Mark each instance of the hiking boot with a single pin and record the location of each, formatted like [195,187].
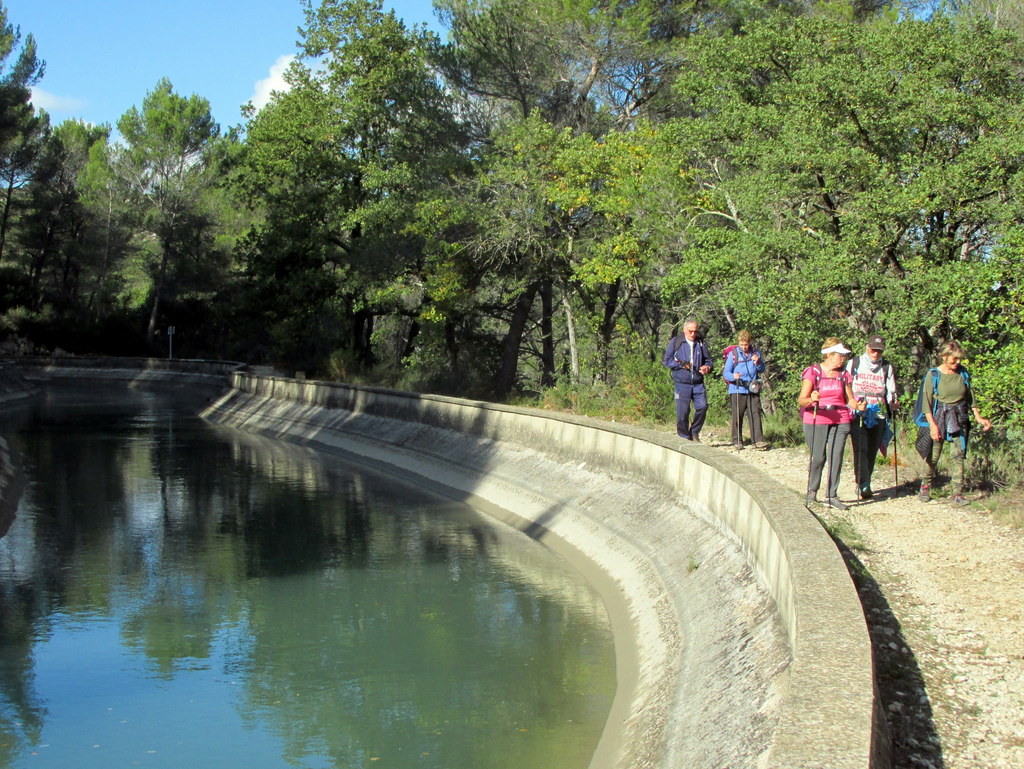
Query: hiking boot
[925,494]
[761,446]
[837,504]
[738,446]
[811,499]
[958,499]
[866,493]
[696,439]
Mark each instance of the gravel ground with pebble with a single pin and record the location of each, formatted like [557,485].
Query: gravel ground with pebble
[944,601]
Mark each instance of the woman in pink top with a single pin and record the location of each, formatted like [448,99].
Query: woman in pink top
[827,402]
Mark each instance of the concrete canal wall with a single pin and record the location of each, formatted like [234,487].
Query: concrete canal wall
[212,376]
[740,640]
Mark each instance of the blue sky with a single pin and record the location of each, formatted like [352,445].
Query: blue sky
[103,56]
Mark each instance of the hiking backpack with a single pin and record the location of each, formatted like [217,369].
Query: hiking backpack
[919,418]
[735,359]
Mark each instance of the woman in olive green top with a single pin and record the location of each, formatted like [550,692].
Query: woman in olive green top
[946,406]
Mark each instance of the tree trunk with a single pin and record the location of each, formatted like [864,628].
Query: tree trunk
[547,351]
[363,337]
[158,290]
[505,377]
[451,342]
[574,352]
[730,319]
[611,305]
[410,341]
[5,215]
[101,277]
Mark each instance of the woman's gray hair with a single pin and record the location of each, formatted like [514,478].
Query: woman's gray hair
[951,348]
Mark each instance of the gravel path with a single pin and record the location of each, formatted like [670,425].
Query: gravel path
[943,591]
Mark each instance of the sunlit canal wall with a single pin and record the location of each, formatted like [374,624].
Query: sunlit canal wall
[740,640]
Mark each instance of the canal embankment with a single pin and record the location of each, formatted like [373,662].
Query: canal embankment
[740,639]
[685,535]
[203,376]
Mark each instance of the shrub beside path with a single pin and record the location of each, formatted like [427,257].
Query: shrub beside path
[943,592]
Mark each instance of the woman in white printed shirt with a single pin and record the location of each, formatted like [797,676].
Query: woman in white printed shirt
[874,384]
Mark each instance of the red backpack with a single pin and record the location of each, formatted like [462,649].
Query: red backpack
[725,357]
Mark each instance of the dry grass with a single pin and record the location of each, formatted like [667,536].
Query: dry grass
[1006,506]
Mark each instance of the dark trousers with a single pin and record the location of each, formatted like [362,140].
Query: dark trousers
[745,404]
[825,442]
[866,442]
[685,393]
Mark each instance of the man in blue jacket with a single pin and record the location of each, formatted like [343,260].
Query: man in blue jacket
[689,360]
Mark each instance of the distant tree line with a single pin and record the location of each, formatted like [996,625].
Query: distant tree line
[535,202]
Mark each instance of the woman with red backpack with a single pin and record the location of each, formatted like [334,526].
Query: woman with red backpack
[743,367]
[827,404]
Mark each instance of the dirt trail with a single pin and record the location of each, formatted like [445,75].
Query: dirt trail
[943,590]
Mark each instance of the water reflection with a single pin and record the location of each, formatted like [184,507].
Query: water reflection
[171,592]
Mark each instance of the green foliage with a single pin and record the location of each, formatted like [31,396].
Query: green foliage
[849,178]
[533,205]
[639,389]
[163,170]
[643,386]
[22,131]
[336,167]
[996,458]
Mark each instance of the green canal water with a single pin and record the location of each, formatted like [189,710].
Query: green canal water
[175,595]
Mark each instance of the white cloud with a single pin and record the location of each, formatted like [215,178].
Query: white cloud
[55,104]
[273,82]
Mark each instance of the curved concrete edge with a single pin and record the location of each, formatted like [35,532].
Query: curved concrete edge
[212,377]
[49,367]
[827,711]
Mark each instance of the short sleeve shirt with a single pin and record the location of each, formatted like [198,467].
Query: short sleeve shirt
[832,408]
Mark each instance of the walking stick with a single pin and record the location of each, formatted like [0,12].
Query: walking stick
[855,428]
[753,406]
[895,459]
[814,440]
[737,421]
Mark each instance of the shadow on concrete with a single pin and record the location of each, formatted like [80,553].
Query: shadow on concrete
[898,678]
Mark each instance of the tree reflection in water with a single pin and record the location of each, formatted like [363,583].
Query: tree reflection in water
[173,588]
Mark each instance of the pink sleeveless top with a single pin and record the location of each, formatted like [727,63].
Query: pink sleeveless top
[832,408]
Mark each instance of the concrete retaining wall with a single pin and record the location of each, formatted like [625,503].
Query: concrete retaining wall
[740,641]
[694,690]
[131,371]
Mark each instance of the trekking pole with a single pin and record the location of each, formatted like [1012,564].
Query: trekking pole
[814,425]
[895,458]
[814,440]
[750,417]
[734,406]
[855,427]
